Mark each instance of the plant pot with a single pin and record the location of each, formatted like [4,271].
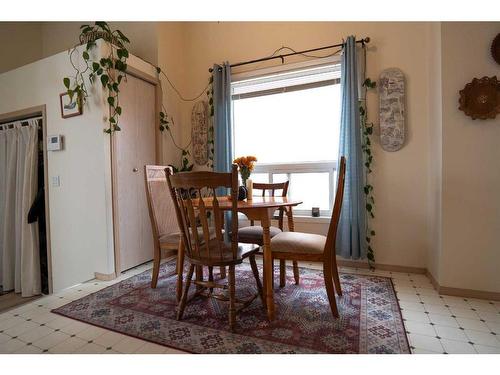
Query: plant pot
[242,193]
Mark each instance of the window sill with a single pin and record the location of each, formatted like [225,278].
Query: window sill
[310,219]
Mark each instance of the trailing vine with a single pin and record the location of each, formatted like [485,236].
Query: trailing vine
[110,69]
[367,131]
[211,131]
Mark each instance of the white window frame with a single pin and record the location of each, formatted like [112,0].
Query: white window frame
[329,166]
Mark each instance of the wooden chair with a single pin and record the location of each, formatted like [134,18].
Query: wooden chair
[163,219]
[253,233]
[205,250]
[314,247]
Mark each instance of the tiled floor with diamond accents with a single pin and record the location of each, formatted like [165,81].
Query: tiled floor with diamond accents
[434,323]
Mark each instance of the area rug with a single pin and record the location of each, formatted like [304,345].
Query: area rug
[370,320]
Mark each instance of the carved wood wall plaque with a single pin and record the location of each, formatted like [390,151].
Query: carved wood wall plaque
[480,98]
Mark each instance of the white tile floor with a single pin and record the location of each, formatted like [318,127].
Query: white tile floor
[434,323]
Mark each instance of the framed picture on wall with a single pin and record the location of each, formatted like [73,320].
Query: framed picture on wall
[70,108]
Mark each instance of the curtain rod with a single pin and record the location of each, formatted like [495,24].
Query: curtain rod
[21,119]
[282,57]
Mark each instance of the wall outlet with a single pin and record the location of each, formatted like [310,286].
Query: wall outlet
[56,181]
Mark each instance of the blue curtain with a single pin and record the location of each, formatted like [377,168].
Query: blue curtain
[222,117]
[223,130]
[351,232]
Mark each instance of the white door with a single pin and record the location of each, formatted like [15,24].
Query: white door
[135,147]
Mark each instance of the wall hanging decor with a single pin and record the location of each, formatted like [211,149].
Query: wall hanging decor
[480,98]
[392,109]
[495,49]
[70,106]
[199,132]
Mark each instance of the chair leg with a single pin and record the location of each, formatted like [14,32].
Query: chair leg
[199,276]
[156,266]
[180,270]
[182,304]
[223,272]
[255,271]
[282,273]
[296,272]
[327,274]
[336,278]
[211,276]
[232,298]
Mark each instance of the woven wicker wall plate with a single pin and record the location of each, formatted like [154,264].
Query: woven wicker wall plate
[480,99]
[495,49]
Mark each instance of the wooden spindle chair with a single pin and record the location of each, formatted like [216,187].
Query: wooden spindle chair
[200,248]
[166,233]
[317,248]
[254,233]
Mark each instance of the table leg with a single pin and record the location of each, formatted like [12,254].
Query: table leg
[289,215]
[268,266]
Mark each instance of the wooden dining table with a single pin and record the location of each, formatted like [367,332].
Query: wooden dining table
[262,209]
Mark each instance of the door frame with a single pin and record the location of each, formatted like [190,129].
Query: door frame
[136,73]
[26,113]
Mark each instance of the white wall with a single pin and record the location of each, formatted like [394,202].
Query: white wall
[78,208]
[81,225]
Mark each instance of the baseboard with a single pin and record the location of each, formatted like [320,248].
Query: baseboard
[105,276]
[383,267]
[459,292]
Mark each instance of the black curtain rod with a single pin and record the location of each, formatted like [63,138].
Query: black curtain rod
[282,57]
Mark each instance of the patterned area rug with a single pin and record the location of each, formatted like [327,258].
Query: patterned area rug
[370,319]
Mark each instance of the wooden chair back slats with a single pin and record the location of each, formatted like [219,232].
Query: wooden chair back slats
[160,203]
[203,240]
[334,222]
[283,186]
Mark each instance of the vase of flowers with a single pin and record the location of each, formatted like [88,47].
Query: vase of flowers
[246,165]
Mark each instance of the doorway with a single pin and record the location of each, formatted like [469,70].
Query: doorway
[32,212]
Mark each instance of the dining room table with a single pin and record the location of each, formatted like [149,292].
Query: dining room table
[262,209]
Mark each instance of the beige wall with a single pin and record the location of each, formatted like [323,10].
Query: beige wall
[470,255]
[20,43]
[435,120]
[400,178]
[60,36]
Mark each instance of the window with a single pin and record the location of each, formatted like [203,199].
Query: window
[290,120]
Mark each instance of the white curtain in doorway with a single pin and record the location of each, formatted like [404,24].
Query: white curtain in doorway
[19,249]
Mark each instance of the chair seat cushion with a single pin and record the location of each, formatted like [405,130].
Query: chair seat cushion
[216,256]
[299,243]
[253,234]
[170,239]
[174,238]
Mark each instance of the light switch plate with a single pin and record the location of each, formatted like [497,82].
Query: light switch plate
[56,181]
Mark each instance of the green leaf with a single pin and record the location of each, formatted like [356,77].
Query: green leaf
[112,120]
[115,87]
[117,128]
[184,152]
[71,93]
[368,207]
[122,36]
[85,55]
[111,100]
[99,71]
[104,80]
[158,70]
[90,44]
[372,233]
[162,115]
[162,128]
[120,77]
[95,66]
[118,110]
[66,82]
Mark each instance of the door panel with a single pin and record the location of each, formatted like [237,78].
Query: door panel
[134,147]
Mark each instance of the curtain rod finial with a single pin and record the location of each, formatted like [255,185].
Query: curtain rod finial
[367,39]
